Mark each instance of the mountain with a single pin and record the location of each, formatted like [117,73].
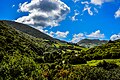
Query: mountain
[29,30]
[110,50]
[25,57]
[20,53]
[13,41]
[91,42]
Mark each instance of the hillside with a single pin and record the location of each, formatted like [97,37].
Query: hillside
[88,43]
[111,50]
[13,41]
[21,55]
[28,30]
[26,57]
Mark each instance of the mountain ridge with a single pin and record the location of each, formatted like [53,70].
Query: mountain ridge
[28,29]
[91,42]
[31,31]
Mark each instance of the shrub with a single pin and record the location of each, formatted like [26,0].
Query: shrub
[107,65]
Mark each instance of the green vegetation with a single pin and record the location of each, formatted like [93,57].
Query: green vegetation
[95,62]
[29,30]
[25,57]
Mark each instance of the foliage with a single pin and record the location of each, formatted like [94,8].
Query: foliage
[107,65]
[24,57]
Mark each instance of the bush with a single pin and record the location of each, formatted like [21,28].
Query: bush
[19,67]
[107,65]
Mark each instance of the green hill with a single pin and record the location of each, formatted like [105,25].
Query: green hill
[110,50]
[29,30]
[13,41]
[25,57]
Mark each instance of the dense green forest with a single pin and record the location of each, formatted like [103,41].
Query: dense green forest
[26,57]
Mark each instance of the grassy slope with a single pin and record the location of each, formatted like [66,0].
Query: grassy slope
[95,62]
[21,57]
[29,30]
[13,41]
[109,52]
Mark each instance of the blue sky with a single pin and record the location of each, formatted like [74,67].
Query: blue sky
[69,20]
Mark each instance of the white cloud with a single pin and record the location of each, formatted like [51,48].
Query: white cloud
[92,6]
[117,13]
[75,1]
[77,37]
[43,13]
[13,6]
[100,2]
[97,2]
[51,34]
[61,34]
[88,9]
[85,2]
[96,34]
[95,10]
[57,34]
[73,18]
[115,37]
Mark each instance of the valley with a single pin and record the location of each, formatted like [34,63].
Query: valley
[28,54]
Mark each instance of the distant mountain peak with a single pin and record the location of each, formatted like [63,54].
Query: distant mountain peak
[91,42]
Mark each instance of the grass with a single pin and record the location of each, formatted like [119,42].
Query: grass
[95,62]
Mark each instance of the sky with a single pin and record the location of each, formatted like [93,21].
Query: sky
[69,20]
